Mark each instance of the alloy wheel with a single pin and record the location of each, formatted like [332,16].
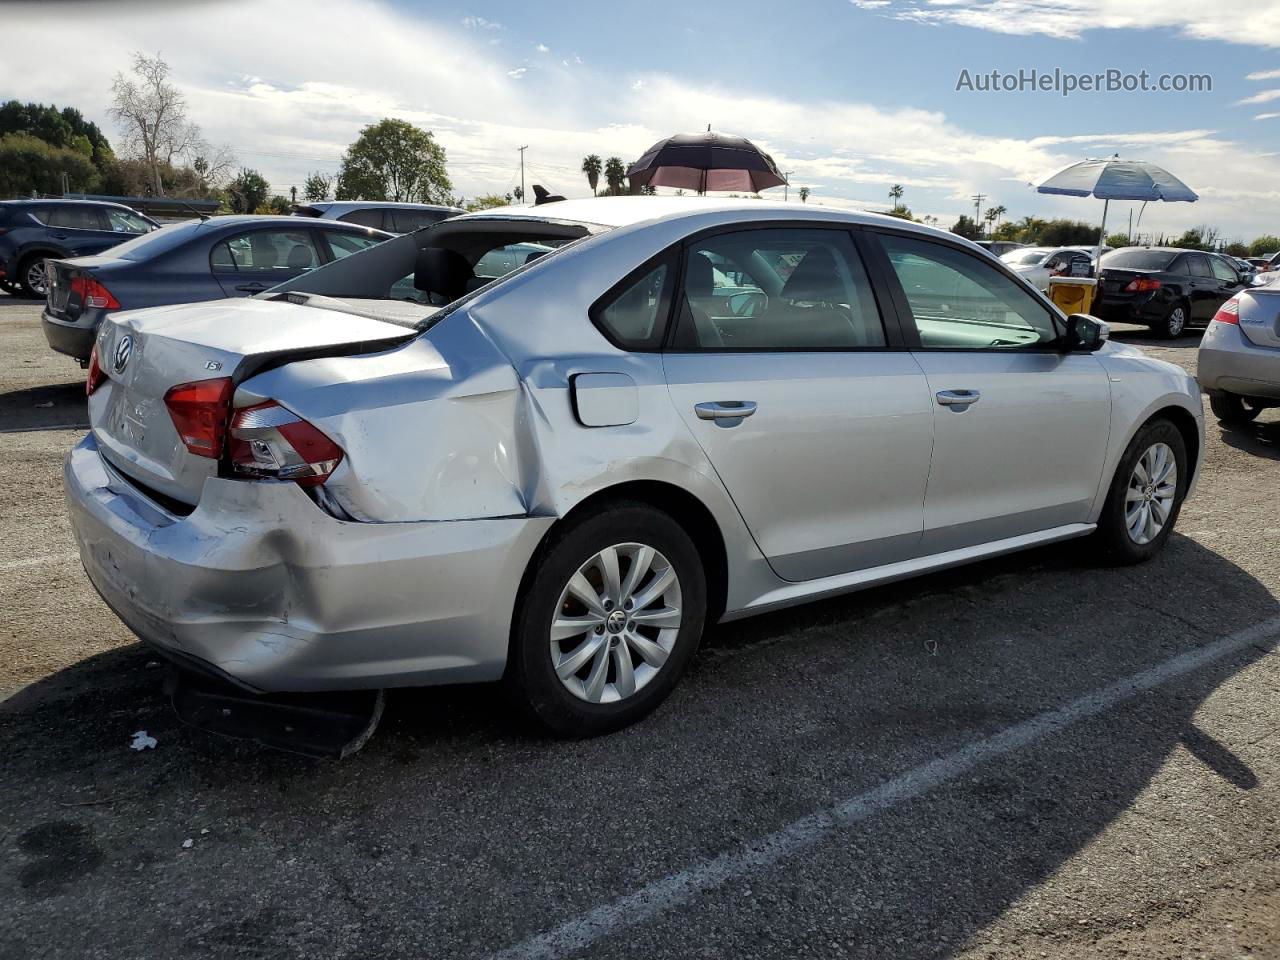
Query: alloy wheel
[1177,320]
[37,278]
[1149,499]
[616,623]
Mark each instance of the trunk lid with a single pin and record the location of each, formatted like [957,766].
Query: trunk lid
[144,353]
[61,301]
[1260,315]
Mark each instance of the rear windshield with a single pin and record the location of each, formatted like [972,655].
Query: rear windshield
[1138,259]
[157,242]
[1024,258]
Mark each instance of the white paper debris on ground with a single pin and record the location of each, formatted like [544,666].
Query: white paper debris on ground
[187,843]
[142,742]
[205,830]
[44,406]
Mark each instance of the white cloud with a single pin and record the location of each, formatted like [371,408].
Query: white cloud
[1264,75]
[292,108]
[1253,22]
[1265,96]
[480,23]
[1266,116]
[542,48]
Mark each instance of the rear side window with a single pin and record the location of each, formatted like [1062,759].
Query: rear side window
[365,218]
[345,244]
[632,314]
[74,218]
[407,221]
[281,252]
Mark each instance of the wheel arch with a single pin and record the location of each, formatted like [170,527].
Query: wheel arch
[1186,425]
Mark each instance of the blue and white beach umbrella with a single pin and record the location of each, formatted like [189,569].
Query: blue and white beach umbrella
[1116,179]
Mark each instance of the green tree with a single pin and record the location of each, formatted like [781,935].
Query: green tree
[248,191]
[394,160]
[902,212]
[279,205]
[318,186]
[1236,249]
[615,175]
[487,201]
[1118,240]
[591,166]
[804,194]
[965,227]
[895,194]
[1264,246]
[1006,231]
[30,165]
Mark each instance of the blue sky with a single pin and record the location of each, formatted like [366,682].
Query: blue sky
[851,96]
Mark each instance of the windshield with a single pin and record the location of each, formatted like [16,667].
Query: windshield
[157,242]
[1138,259]
[1024,258]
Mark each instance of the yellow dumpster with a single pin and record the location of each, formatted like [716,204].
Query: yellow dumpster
[1072,294]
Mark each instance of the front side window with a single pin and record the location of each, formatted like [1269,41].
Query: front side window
[777,289]
[345,244]
[280,252]
[961,303]
[74,218]
[125,221]
[1223,270]
[1197,265]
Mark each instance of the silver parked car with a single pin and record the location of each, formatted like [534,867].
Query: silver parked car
[679,412]
[1239,360]
[385,215]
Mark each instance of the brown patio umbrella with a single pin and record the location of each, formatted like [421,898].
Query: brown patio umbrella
[706,161]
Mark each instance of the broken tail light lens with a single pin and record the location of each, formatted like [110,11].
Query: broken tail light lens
[200,411]
[96,375]
[1229,312]
[270,442]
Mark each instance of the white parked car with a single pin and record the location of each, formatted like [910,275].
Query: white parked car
[682,412]
[1038,264]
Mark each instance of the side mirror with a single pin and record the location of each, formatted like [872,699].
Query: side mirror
[1085,333]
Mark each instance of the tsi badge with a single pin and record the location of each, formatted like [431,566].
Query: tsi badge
[124,350]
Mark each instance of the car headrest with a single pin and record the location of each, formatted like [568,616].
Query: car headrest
[815,279]
[441,271]
[299,257]
[264,251]
[700,277]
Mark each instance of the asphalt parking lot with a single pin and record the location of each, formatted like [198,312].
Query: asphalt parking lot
[1032,757]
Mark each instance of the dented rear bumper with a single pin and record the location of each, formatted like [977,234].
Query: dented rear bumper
[262,586]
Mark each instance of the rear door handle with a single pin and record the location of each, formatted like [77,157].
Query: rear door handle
[725,410]
[252,287]
[958,398]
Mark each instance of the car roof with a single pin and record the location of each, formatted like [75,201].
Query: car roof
[629,210]
[46,201]
[376,204]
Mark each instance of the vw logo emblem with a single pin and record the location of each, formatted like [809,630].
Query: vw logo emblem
[123,350]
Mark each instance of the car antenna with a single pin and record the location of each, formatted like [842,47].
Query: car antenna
[203,216]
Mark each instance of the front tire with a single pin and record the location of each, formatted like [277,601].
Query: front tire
[608,620]
[1232,410]
[1146,495]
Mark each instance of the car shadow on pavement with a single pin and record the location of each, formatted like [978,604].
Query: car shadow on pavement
[1259,439]
[44,407]
[455,833]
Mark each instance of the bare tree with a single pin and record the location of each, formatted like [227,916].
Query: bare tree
[152,115]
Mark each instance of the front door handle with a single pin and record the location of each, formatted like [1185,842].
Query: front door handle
[725,410]
[958,398]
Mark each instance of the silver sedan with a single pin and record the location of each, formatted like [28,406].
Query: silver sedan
[410,468]
[1239,360]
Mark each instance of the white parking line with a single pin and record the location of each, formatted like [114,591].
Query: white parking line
[36,561]
[679,888]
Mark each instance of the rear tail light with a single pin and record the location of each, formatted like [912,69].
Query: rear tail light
[1142,285]
[96,375]
[93,294]
[1229,312]
[271,442]
[200,411]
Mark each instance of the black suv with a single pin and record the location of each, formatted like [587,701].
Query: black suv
[31,230]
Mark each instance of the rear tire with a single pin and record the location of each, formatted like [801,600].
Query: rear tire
[640,623]
[1233,410]
[1174,323]
[1144,501]
[32,277]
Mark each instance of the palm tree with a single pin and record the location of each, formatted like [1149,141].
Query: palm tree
[592,166]
[804,194]
[990,217]
[615,172]
[895,194]
[999,214]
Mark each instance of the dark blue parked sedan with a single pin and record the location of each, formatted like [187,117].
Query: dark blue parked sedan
[31,231]
[199,260]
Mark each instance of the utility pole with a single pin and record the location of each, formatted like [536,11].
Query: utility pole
[522,193]
[786,184]
[977,210]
